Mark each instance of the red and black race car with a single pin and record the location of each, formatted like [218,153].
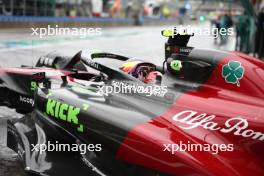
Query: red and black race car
[203,115]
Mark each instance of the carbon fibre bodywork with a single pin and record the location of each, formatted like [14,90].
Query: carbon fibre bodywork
[133,128]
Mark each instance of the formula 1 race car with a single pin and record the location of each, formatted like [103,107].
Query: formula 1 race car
[204,115]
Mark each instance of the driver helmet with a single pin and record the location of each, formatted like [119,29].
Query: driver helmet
[144,71]
[129,66]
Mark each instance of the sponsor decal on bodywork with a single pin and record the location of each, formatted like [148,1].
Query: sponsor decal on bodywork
[33,85]
[65,112]
[181,50]
[26,100]
[176,65]
[236,125]
[233,72]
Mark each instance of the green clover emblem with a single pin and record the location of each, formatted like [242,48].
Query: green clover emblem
[233,72]
[176,65]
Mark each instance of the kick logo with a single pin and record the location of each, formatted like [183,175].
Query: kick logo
[65,112]
[233,72]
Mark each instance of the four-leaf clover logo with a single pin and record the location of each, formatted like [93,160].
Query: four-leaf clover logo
[233,72]
[176,65]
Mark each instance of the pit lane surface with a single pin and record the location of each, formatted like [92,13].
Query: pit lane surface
[19,47]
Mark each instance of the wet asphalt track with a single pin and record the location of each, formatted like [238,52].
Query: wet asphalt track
[19,47]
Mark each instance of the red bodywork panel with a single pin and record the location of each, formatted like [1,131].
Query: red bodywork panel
[234,110]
